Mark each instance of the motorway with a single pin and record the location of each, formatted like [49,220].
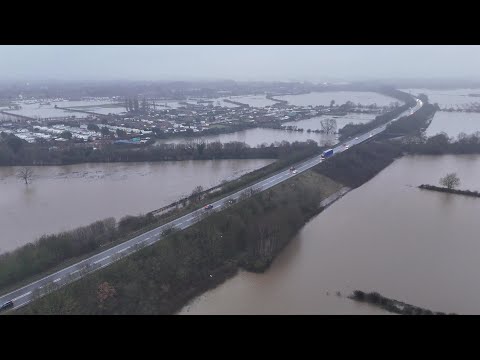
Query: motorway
[26,294]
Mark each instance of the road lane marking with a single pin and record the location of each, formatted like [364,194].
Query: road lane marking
[125,249]
[21,296]
[106,257]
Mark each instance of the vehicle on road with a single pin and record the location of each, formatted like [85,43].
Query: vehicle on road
[294,171]
[327,153]
[232,201]
[371,135]
[208,207]
[7,305]
[292,168]
[346,147]
[356,138]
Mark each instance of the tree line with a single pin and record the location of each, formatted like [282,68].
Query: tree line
[412,124]
[360,164]
[133,105]
[391,305]
[443,144]
[351,129]
[14,151]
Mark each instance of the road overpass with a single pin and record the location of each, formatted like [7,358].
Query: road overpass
[26,294]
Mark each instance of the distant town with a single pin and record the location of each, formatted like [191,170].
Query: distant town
[138,119]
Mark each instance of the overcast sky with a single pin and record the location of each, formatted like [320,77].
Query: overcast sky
[256,62]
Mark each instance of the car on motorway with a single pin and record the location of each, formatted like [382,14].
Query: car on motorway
[208,207]
[294,171]
[7,305]
[232,201]
[371,135]
[346,147]
[356,138]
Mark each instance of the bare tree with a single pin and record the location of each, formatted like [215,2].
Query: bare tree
[450,181]
[329,126]
[197,193]
[26,174]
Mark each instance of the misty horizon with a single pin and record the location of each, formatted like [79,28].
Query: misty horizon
[288,63]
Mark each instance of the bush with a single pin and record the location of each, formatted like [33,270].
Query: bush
[359,295]
[51,250]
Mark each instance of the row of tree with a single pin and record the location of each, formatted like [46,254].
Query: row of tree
[133,105]
[391,305]
[351,129]
[412,124]
[443,144]
[14,151]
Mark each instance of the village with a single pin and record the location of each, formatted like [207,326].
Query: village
[130,121]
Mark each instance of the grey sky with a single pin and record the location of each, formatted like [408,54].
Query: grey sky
[253,62]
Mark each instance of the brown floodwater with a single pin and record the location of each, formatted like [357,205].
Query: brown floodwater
[413,245]
[258,136]
[64,197]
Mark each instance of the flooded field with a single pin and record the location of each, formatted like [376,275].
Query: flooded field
[340,97]
[314,123]
[64,197]
[449,97]
[413,245]
[257,137]
[454,123]
[45,111]
[254,100]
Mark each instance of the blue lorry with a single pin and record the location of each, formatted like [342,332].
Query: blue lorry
[327,153]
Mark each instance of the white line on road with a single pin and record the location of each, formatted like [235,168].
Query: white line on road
[57,280]
[125,249]
[106,257]
[21,296]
